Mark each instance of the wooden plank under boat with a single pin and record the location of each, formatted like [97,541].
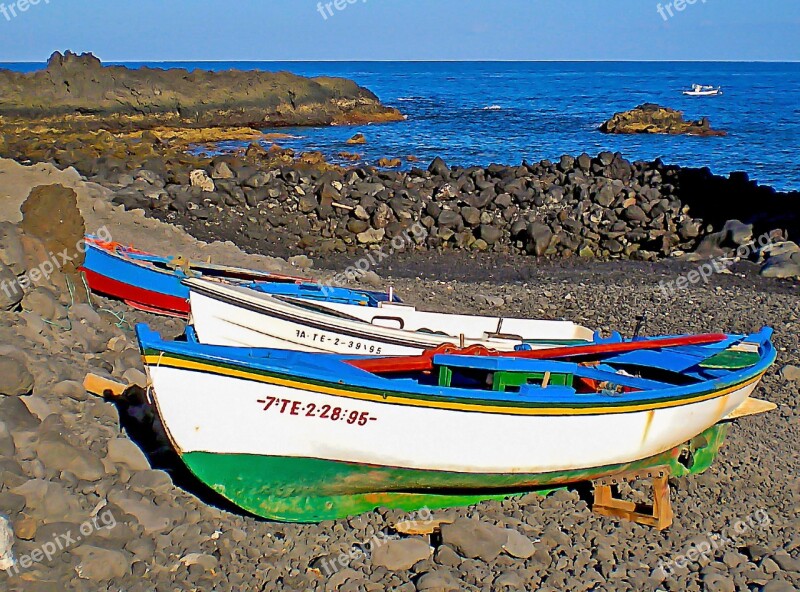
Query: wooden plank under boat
[305,437]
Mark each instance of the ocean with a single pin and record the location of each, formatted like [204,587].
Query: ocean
[478,113]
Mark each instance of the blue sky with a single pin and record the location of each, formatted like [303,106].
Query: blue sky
[152,30]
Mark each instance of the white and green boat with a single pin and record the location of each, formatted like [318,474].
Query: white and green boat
[306,437]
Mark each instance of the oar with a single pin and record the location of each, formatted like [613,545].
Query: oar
[425,361]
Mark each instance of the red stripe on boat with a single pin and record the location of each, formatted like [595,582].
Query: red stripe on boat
[137,297]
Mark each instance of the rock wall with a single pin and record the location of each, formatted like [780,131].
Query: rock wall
[603,207]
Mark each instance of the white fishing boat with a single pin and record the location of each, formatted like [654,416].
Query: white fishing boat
[306,437]
[699,90]
[225,314]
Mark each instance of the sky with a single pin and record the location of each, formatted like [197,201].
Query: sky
[276,30]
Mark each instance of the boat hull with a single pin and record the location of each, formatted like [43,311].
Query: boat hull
[136,297]
[291,489]
[111,275]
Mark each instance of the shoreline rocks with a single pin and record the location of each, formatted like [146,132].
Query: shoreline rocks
[650,118]
[74,87]
[602,207]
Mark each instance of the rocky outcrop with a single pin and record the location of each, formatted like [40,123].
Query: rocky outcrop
[655,119]
[85,92]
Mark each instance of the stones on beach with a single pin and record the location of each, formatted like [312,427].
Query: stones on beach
[123,451]
[7,560]
[782,261]
[15,377]
[518,545]
[791,373]
[10,291]
[200,179]
[472,538]
[401,554]
[58,454]
[98,564]
[43,302]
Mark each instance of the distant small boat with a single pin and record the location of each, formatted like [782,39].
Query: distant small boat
[699,90]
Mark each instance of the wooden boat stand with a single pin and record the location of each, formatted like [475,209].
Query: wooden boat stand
[659,515]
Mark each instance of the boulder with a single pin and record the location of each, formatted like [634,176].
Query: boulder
[7,560]
[50,214]
[783,261]
[540,236]
[56,453]
[12,253]
[42,302]
[390,163]
[490,234]
[371,236]
[439,168]
[99,565]
[791,373]
[402,554]
[10,291]
[357,140]
[123,451]
[199,178]
[650,118]
[471,539]
[15,378]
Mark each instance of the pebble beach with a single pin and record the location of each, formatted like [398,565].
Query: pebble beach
[92,497]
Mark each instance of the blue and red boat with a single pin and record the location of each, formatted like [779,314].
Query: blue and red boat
[154,284]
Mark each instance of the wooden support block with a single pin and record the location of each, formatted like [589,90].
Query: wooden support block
[421,527]
[751,406]
[103,387]
[659,515]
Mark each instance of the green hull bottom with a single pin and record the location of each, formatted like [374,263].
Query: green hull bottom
[313,490]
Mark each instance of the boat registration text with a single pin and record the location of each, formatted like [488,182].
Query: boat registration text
[343,342]
[300,409]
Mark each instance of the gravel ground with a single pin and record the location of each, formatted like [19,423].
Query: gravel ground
[67,458]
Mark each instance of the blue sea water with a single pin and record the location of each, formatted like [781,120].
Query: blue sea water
[477,113]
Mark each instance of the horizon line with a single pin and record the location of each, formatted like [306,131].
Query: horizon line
[427,61]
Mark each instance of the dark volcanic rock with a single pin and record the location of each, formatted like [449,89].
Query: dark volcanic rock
[73,84]
[655,119]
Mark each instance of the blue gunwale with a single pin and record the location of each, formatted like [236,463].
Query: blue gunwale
[132,268]
[314,372]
